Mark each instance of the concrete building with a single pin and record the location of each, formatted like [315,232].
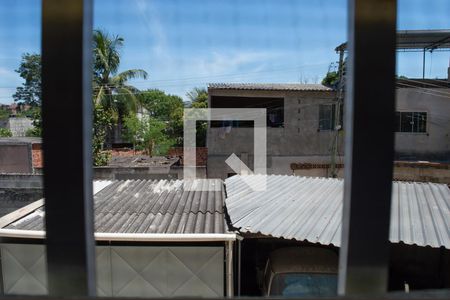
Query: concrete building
[423,120]
[18,126]
[299,125]
[301,119]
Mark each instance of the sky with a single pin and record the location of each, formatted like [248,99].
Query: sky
[184,44]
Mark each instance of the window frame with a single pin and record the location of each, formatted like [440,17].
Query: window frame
[412,132]
[332,117]
[368,190]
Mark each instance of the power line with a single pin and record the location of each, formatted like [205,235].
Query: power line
[182,79]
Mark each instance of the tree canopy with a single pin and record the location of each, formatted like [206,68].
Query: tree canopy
[30,70]
[111,88]
[198,97]
[167,108]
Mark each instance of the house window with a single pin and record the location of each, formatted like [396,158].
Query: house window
[410,121]
[274,110]
[326,116]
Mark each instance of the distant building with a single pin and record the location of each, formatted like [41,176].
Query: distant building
[301,121]
[127,164]
[20,155]
[18,126]
[423,120]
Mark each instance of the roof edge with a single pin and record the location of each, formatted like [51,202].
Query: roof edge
[131,237]
[20,213]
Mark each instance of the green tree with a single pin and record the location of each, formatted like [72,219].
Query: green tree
[149,134]
[103,122]
[168,108]
[4,113]
[111,88]
[5,132]
[30,70]
[199,99]
[330,79]
[36,131]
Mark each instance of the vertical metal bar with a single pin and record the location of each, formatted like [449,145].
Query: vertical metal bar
[423,64]
[67,129]
[369,147]
[229,269]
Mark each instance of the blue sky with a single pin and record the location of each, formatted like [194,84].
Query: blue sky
[187,43]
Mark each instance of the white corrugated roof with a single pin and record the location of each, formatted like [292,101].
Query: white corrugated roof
[310,209]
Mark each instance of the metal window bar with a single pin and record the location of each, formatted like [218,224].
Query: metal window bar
[369,147]
[66,70]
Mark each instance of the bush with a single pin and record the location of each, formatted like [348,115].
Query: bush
[5,132]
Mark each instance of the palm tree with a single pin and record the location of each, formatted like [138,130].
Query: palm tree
[110,87]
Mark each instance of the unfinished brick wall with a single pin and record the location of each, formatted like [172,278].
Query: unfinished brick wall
[202,155]
[36,153]
[126,152]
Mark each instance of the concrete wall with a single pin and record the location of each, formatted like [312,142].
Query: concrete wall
[145,271]
[154,173]
[434,145]
[19,126]
[18,190]
[421,172]
[299,139]
[15,158]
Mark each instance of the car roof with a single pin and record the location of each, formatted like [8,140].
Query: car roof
[303,259]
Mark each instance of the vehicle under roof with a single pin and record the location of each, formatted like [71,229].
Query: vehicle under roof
[304,260]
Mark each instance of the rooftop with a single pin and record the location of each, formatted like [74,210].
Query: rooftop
[146,206]
[268,86]
[419,40]
[310,209]
[142,161]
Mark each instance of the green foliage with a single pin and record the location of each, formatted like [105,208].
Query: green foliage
[5,132]
[148,134]
[36,131]
[330,79]
[165,107]
[30,70]
[103,121]
[110,87]
[4,113]
[199,99]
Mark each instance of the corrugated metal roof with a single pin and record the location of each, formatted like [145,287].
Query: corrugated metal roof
[430,39]
[269,86]
[310,209]
[146,206]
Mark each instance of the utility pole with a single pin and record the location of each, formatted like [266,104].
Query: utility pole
[337,112]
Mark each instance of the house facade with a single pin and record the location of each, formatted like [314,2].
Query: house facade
[300,126]
[423,120]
